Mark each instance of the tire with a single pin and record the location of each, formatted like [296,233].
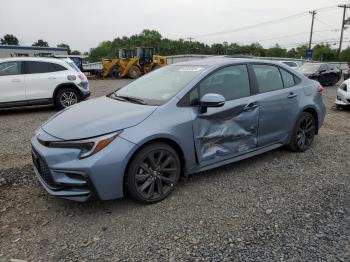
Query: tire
[153,173]
[134,72]
[66,97]
[114,72]
[303,133]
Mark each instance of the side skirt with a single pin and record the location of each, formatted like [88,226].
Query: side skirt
[241,157]
[44,101]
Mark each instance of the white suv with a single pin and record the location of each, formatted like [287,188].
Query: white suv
[36,81]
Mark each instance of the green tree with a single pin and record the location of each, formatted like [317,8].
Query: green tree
[324,52]
[345,55]
[9,39]
[41,42]
[63,45]
[76,52]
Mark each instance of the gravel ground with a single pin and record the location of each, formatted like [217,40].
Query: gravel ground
[279,206]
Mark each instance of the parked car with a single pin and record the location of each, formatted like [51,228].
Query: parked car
[326,74]
[345,70]
[343,94]
[178,120]
[38,81]
[291,64]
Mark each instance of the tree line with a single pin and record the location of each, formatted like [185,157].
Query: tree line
[10,39]
[165,46]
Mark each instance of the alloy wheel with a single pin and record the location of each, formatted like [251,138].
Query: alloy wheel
[156,174]
[306,132]
[68,98]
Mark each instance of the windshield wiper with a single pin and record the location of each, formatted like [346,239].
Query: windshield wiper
[131,99]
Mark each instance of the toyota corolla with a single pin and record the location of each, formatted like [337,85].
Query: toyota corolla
[176,121]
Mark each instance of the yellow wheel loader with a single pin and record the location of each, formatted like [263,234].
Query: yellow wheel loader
[132,63]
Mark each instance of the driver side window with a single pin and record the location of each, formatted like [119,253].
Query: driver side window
[232,82]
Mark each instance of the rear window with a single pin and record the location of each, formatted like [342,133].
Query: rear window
[74,66]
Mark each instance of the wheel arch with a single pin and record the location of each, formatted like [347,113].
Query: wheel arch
[64,85]
[166,140]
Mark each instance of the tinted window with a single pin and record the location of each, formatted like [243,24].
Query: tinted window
[288,78]
[291,64]
[34,67]
[232,82]
[10,68]
[268,77]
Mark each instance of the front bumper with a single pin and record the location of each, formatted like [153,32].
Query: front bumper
[64,175]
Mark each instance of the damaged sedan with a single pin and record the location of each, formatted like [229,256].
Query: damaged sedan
[176,121]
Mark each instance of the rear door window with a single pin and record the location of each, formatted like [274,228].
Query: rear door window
[10,68]
[37,67]
[268,78]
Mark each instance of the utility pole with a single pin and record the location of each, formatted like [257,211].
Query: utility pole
[342,26]
[313,13]
[190,38]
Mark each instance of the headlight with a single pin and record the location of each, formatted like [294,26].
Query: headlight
[89,146]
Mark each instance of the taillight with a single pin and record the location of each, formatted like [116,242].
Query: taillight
[320,89]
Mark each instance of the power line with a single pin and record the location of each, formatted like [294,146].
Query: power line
[322,22]
[262,24]
[252,26]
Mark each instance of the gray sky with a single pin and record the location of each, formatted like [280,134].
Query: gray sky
[85,23]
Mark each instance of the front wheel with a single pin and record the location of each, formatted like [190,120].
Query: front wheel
[134,72]
[153,173]
[303,133]
[66,97]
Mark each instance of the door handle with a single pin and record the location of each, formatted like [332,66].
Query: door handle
[250,106]
[16,80]
[52,78]
[292,95]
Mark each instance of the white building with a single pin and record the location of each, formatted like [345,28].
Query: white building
[13,51]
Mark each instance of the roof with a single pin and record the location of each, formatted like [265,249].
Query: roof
[37,48]
[42,59]
[217,61]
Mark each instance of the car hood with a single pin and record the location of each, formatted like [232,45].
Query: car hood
[96,117]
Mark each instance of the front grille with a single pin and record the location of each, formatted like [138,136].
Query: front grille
[43,169]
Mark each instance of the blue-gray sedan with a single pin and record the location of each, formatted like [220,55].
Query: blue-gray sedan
[178,120]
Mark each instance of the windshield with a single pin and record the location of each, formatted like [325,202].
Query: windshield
[309,68]
[161,85]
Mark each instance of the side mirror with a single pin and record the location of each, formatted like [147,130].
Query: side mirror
[211,100]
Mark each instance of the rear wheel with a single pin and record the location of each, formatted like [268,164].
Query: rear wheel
[303,133]
[134,72]
[153,173]
[66,97]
